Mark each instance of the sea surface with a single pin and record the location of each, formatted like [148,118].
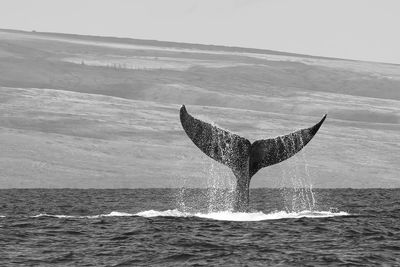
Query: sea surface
[176,227]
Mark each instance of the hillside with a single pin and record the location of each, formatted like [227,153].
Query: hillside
[103,112]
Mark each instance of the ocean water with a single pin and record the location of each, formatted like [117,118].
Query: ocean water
[175,227]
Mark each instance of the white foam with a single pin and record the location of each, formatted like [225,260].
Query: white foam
[117,214]
[220,216]
[242,216]
[51,215]
[111,214]
[166,213]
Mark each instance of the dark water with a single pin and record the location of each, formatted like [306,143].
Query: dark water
[143,228]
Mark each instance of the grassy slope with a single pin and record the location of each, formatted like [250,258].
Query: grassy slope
[74,125]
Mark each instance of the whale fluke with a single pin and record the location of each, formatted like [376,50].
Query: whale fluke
[220,145]
[271,151]
[239,154]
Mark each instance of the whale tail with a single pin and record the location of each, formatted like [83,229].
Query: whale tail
[243,157]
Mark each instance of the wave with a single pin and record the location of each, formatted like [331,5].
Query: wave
[220,216]
[243,216]
[111,214]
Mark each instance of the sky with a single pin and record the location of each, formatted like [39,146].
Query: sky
[353,29]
